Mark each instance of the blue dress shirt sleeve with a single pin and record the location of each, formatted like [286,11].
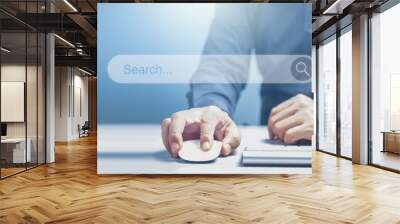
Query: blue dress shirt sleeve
[223,71]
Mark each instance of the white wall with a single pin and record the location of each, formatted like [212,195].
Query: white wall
[80,110]
[71,102]
[62,82]
[17,73]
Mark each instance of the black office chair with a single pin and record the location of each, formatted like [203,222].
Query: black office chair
[84,130]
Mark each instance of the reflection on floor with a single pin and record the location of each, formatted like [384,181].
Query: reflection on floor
[11,169]
[386,159]
[70,191]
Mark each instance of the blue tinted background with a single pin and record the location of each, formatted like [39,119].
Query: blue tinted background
[158,29]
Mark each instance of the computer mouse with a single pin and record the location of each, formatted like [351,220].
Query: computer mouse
[192,152]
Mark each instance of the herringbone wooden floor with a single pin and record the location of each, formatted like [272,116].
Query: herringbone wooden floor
[70,191]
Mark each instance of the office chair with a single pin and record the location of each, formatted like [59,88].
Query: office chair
[84,130]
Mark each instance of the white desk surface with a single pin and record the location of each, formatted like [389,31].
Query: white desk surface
[138,149]
[13,140]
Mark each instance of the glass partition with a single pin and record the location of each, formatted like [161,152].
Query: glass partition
[41,97]
[34,57]
[14,153]
[23,91]
[31,99]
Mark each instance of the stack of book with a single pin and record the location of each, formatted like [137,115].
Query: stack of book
[284,157]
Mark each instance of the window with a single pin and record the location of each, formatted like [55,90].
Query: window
[385,89]
[346,92]
[327,95]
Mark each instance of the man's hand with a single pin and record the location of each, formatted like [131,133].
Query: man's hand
[292,120]
[206,124]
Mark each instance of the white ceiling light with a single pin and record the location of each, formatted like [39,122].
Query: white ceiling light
[65,41]
[70,5]
[5,50]
[84,71]
[338,6]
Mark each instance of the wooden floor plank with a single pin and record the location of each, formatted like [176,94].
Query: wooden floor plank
[70,191]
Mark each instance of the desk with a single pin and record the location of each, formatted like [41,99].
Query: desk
[138,149]
[17,150]
[391,141]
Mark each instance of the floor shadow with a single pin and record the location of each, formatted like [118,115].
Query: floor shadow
[161,155]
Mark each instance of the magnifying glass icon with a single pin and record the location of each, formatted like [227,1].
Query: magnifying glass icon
[301,67]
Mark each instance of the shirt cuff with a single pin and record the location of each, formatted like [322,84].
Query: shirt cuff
[214,100]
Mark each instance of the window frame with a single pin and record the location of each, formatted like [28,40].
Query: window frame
[371,14]
[333,37]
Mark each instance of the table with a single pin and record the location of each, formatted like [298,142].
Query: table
[18,150]
[391,141]
[138,149]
